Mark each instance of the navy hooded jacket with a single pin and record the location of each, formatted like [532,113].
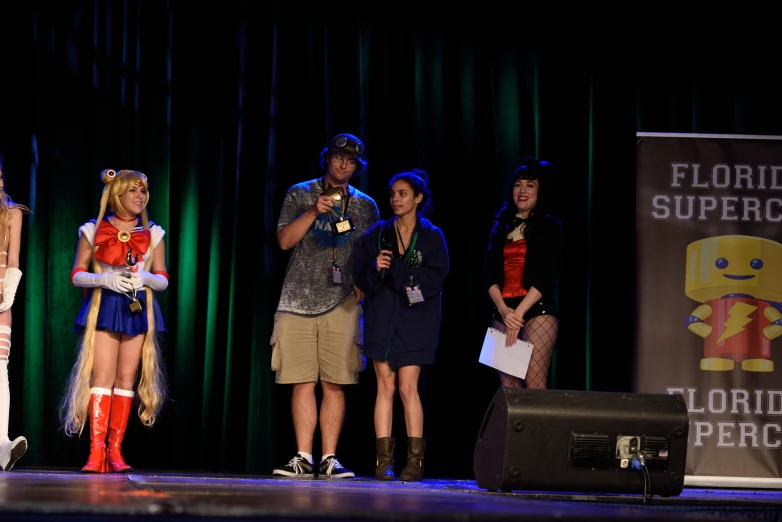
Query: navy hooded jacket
[386,306]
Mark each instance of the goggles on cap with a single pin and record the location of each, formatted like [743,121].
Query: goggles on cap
[342,141]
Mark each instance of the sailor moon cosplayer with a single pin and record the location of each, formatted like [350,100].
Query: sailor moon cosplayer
[10,236]
[119,321]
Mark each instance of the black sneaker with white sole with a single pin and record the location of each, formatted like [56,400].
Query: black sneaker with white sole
[331,468]
[298,467]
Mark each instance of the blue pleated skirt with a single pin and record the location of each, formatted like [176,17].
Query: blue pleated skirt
[115,316]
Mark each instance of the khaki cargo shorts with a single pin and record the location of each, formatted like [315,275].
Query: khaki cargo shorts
[326,346]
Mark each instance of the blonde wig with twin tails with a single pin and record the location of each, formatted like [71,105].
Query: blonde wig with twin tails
[5,208]
[152,387]
[6,204]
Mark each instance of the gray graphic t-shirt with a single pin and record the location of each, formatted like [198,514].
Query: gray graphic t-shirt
[308,288]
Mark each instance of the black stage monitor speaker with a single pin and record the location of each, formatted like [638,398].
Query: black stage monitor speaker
[579,441]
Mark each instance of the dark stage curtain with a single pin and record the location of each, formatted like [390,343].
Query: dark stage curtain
[225,105]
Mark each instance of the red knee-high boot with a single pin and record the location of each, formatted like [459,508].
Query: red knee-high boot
[100,407]
[121,404]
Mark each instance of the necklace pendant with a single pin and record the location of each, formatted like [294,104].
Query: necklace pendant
[135,305]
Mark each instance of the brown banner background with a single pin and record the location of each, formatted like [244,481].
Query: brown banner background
[735,414]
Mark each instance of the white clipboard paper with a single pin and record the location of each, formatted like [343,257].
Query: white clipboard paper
[513,360]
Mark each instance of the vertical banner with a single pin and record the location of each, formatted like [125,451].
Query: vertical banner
[709,294]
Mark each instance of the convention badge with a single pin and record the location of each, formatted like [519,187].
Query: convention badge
[413,291]
[342,225]
[336,274]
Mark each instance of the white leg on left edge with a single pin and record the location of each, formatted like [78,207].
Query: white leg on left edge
[10,450]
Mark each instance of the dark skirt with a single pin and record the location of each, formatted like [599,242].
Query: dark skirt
[115,316]
[396,357]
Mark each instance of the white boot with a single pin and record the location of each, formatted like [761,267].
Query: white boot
[10,450]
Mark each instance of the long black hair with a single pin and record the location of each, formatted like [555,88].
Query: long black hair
[529,169]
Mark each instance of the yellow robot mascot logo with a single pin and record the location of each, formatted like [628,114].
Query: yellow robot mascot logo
[739,281]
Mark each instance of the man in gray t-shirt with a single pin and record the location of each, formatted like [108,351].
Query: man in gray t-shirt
[318,327]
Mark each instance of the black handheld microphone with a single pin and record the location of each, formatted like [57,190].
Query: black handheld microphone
[385,244]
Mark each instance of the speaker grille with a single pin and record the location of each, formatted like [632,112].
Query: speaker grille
[656,452]
[590,451]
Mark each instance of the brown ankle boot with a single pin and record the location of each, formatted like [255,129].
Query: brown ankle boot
[384,465]
[414,469]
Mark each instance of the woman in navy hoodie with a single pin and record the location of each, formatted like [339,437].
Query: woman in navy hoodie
[401,266]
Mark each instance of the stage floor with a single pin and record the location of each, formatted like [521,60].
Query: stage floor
[28,494]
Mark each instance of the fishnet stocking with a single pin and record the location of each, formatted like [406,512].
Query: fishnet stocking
[541,331]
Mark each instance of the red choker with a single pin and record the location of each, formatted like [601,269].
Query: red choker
[126,220]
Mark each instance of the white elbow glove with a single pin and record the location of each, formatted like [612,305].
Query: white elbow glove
[10,284]
[156,282]
[116,281]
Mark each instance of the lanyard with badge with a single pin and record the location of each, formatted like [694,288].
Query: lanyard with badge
[341,226]
[412,290]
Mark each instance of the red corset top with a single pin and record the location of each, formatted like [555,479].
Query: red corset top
[514,253]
